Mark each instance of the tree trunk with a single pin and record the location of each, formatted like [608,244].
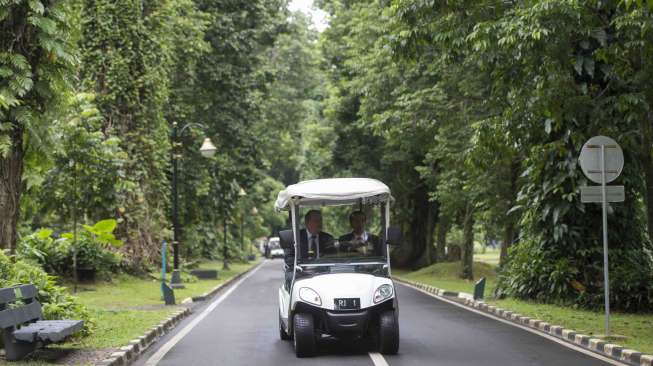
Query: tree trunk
[441,238]
[647,164]
[508,237]
[468,243]
[429,255]
[11,172]
[511,218]
[418,227]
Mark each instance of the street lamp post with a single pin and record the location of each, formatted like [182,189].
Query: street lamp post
[242,193]
[225,259]
[207,150]
[254,213]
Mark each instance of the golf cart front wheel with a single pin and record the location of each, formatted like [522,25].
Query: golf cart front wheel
[304,335]
[388,333]
[282,332]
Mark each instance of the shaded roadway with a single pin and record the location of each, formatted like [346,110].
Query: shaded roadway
[242,330]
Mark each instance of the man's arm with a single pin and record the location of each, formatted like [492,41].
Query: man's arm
[289,256]
[327,243]
[376,243]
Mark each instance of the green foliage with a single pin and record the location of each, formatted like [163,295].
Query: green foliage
[53,255]
[56,302]
[105,152]
[125,63]
[559,93]
[92,249]
[481,107]
[85,171]
[289,129]
[37,60]
[102,233]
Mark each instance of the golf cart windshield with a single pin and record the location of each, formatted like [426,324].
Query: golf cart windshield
[342,238]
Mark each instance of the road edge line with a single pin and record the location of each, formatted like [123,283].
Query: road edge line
[378,359]
[511,315]
[126,355]
[166,347]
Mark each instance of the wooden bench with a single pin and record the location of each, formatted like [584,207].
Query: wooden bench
[21,325]
[205,274]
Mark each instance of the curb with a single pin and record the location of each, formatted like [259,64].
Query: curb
[207,295]
[126,355]
[129,353]
[596,345]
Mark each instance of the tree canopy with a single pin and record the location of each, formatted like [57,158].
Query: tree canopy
[473,112]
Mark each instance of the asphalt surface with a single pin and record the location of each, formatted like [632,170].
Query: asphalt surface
[242,330]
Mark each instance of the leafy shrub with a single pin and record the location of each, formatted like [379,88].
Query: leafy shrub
[560,255]
[57,303]
[56,255]
[538,273]
[52,254]
[92,246]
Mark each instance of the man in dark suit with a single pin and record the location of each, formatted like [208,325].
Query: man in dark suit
[359,240]
[313,243]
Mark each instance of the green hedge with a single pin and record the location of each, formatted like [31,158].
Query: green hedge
[57,302]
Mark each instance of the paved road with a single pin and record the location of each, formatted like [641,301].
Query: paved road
[242,330]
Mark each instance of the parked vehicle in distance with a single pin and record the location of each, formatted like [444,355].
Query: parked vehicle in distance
[275,249]
[273,243]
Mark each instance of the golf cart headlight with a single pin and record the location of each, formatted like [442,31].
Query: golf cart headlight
[310,296]
[384,292]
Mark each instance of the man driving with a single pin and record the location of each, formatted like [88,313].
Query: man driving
[359,240]
[313,242]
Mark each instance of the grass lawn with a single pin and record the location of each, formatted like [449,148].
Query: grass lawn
[128,306]
[446,276]
[635,327]
[125,308]
[491,256]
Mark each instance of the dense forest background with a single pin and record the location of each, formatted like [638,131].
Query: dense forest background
[473,112]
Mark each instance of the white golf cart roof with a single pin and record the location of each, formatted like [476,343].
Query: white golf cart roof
[332,192]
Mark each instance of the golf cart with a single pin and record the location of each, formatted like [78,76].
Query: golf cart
[344,294]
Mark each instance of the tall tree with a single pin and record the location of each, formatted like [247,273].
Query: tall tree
[36,59]
[291,101]
[126,59]
[551,84]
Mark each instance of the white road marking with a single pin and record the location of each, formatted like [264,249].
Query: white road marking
[541,334]
[158,356]
[378,359]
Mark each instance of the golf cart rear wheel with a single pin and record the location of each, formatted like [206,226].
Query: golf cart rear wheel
[304,335]
[388,333]
[282,332]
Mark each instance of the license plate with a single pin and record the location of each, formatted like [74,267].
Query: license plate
[347,304]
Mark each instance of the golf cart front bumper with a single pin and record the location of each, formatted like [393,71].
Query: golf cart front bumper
[345,323]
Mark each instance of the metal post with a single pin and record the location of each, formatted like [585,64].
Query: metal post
[605,244]
[175,280]
[225,260]
[75,274]
[242,230]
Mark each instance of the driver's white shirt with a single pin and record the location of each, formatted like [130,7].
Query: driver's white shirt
[363,236]
[310,242]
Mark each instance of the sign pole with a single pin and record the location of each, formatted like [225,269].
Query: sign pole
[602,160]
[605,243]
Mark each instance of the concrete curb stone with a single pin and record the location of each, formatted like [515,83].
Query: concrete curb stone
[596,345]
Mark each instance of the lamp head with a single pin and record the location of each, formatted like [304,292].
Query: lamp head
[208,149]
